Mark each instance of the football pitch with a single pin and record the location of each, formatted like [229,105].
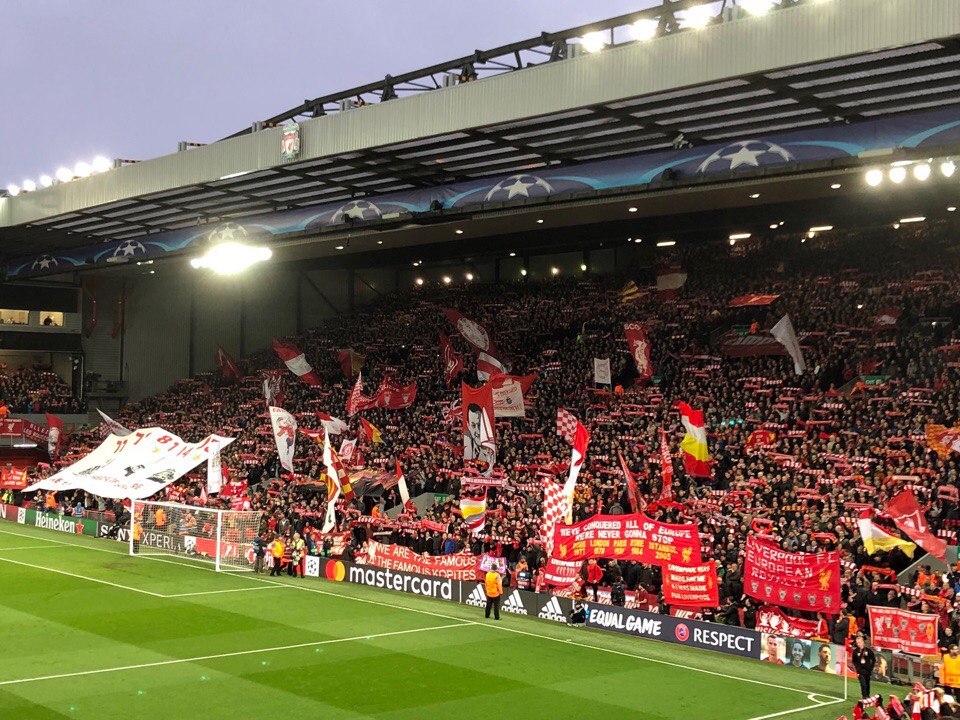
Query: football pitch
[91,633]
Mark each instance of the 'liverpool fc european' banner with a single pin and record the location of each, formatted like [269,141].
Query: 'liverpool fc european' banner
[691,585]
[459,566]
[803,581]
[909,632]
[135,466]
[628,537]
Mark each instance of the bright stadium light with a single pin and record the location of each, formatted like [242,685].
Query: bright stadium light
[593,42]
[666,243]
[419,281]
[948,168]
[583,267]
[915,219]
[898,174]
[82,169]
[696,17]
[554,270]
[46,181]
[29,186]
[446,279]
[757,7]
[644,29]
[952,208]
[101,164]
[874,177]
[13,190]
[523,271]
[230,258]
[469,276]
[64,174]
[740,236]
[921,172]
[821,228]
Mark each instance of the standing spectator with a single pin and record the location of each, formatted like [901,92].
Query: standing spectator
[863,661]
[592,574]
[259,550]
[493,586]
[296,556]
[276,552]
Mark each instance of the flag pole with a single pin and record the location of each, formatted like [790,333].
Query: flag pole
[846,678]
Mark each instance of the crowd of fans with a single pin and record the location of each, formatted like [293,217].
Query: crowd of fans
[36,389]
[876,313]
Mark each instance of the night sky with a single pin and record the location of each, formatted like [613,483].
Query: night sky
[128,78]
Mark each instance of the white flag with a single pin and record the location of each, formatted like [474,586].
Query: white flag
[285,435]
[214,473]
[601,371]
[330,517]
[110,426]
[785,335]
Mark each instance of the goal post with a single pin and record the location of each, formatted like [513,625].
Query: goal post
[222,538]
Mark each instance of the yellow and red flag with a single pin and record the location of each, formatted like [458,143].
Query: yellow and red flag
[696,457]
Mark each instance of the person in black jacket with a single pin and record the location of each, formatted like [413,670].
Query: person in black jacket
[863,661]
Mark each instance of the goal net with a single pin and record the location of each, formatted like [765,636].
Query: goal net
[223,538]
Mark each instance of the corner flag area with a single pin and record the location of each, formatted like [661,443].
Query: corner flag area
[92,633]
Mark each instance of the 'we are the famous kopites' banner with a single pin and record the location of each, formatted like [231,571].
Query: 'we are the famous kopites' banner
[458,566]
[628,537]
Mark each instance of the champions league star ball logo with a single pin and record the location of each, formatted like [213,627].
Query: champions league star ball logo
[523,186]
[128,249]
[746,153]
[227,232]
[44,262]
[358,210]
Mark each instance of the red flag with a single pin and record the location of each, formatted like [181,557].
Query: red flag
[350,362]
[669,282]
[54,435]
[334,426]
[452,362]
[479,430]
[771,620]
[296,362]
[666,469]
[392,396]
[473,332]
[761,438]
[404,492]
[696,456]
[228,368]
[909,518]
[803,581]
[566,425]
[357,400]
[508,392]
[639,349]
[632,493]
[370,432]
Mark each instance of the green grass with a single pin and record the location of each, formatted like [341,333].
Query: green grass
[125,648]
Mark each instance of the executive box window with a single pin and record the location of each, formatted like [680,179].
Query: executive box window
[49,318]
[18,317]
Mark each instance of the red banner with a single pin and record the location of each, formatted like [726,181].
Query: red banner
[803,581]
[628,537]
[908,632]
[639,349]
[452,363]
[459,566]
[11,426]
[479,428]
[773,621]
[12,478]
[392,396]
[691,585]
[473,332]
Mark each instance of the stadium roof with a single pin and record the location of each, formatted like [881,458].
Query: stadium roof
[807,65]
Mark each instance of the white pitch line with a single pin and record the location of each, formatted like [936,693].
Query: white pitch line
[26,547]
[219,592]
[82,577]
[495,627]
[199,658]
[796,710]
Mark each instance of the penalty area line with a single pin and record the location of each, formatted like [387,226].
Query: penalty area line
[217,656]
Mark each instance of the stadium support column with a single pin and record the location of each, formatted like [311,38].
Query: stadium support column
[526,267]
[192,336]
[299,301]
[351,290]
[496,271]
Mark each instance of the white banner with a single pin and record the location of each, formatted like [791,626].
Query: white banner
[135,466]
[110,426]
[285,435]
[214,473]
[601,371]
[507,398]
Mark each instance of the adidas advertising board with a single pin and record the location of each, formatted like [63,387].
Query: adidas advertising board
[707,636]
[556,609]
[477,597]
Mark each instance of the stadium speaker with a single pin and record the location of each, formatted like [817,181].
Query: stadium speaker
[436,206]
[669,175]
